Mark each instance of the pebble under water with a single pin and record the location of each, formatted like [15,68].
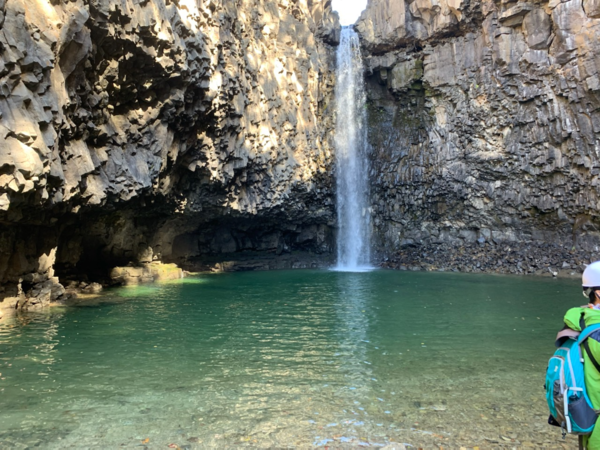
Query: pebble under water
[298,359]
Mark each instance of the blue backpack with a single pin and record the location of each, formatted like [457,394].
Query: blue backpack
[566,394]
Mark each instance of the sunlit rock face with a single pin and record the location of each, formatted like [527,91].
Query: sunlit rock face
[133,123]
[484,121]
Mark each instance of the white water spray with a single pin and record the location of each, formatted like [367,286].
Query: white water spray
[353,250]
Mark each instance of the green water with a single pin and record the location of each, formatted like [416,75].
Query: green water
[288,360]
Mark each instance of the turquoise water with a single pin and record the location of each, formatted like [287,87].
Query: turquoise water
[288,360]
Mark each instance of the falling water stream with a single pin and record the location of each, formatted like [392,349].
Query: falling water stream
[352,165]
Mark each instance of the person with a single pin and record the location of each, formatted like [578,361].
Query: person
[590,314]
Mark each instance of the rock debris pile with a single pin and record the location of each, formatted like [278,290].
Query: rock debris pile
[528,259]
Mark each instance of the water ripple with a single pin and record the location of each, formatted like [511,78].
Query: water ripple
[271,360]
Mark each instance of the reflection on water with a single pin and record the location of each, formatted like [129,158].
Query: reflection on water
[353,324]
[288,359]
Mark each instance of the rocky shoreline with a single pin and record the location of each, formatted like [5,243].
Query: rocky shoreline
[552,260]
[38,291]
[555,260]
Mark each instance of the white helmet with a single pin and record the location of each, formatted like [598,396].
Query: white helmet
[591,275]
[591,278]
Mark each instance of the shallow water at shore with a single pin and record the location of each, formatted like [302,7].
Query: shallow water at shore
[288,360]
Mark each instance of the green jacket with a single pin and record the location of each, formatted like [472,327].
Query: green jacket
[592,376]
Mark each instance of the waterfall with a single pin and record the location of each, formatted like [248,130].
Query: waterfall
[353,250]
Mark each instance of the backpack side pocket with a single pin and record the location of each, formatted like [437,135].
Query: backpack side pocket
[583,416]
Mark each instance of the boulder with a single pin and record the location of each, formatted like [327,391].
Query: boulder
[132,275]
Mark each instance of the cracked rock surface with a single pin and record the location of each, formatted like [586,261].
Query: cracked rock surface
[195,127]
[484,124]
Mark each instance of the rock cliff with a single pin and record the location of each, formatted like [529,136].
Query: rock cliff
[485,128]
[193,127]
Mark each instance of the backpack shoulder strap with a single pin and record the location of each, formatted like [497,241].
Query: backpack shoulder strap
[594,361]
[583,339]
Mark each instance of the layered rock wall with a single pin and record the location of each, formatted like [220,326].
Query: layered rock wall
[484,123]
[192,126]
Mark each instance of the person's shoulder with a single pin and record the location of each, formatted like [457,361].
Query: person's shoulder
[592,316]
[576,311]
[573,316]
